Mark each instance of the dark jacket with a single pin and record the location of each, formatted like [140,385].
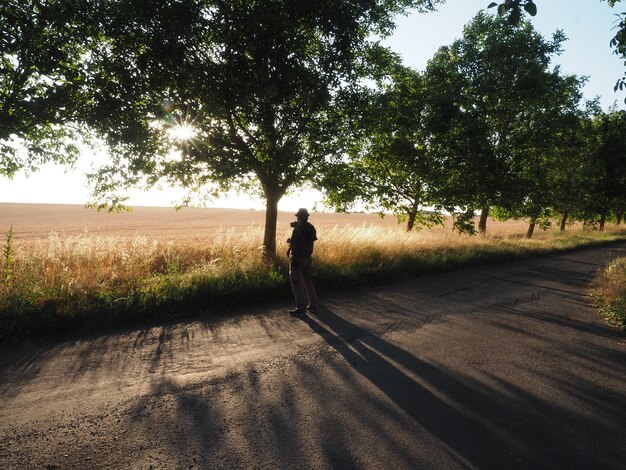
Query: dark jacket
[302,239]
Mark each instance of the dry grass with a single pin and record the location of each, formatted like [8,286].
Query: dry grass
[75,265]
[608,290]
[349,245]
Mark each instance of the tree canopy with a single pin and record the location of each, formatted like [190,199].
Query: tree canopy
[495,88]
[42,43]
[514,10]
[265,85]
[389,167]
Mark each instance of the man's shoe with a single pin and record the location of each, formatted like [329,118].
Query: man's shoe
[297,312]
[311,309]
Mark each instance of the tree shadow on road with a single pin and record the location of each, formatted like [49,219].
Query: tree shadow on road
[483,426]
[365,402]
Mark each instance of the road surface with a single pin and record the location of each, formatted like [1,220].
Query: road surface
[499,367]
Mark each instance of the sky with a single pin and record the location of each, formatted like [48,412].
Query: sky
[588,25]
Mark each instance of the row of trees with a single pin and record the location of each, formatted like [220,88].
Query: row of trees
[488,127]
[280,93]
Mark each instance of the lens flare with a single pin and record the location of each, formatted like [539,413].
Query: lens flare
[182,132]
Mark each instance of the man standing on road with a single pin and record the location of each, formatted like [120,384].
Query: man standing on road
[300,264]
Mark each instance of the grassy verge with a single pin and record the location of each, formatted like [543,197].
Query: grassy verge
[89,283]
[609,293]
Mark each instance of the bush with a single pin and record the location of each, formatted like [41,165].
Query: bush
[609,292]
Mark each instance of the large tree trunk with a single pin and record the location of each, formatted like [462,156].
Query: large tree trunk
[271,218]
[618,216]
[411,222]
[531,229]
[564,220]
[482,223]
[602,221]
[412,213]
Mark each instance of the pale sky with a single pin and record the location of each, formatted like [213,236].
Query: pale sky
[588,25]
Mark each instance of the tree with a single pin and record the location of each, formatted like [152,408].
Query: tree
[618,43]
[262,83]
[41,45]
[541,144]
[607,172]
[390,168]
[568,175]
[489,84]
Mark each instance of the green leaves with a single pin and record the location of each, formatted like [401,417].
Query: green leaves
[494,111]
[390,167]
[606,174]
[618,43]
[41,48]
[514,9]
[531,8]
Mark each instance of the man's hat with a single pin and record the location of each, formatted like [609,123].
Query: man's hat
[302,212]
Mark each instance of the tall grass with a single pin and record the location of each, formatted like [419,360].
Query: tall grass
[88,282]
[372,254]
[608,290]
[6,269]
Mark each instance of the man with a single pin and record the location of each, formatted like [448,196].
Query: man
[300,264]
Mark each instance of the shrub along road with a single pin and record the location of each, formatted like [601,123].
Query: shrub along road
[504,366]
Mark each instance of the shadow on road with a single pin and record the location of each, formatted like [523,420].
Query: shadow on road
[482,426]
[367,399]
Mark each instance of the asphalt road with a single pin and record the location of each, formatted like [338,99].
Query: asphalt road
[498,367]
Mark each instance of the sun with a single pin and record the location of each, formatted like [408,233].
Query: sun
[182,132]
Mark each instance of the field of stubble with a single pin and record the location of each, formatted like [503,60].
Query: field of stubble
[38,221]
